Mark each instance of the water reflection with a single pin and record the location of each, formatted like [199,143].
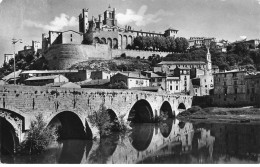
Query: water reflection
[141,136]
[169,142]
[166,127]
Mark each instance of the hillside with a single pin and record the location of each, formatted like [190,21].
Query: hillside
[119,64]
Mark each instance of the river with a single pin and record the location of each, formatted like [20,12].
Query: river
[170,142]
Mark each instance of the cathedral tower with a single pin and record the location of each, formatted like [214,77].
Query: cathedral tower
[83,21]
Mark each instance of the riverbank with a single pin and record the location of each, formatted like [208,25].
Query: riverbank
[215,114]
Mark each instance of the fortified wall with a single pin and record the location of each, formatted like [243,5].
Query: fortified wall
[62,56]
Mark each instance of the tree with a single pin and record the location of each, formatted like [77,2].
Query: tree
[39,137]
[88,38]
[119,85]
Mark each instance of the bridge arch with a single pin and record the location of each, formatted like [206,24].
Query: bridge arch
[141,112]
[69,125]
[181,107]
[8,137]
[166,110]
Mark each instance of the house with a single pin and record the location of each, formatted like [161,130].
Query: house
[156,79]
[72,75]
[173,84]
[252,82]
[229,88]
[44,80]
[95,75]
[132,79]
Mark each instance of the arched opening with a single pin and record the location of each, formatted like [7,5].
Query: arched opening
[129,40]
[141,112]
[166,127]
[103,41]
[109,42]
[181,107]
[141,136]
[120,41]
[96,40]
[124,42]
[115,43]
[113,120]
[69,126]
[8,138]
[166,111]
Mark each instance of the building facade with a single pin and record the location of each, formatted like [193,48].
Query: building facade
[253,88]
[33,49]
[105,30]
[229,88]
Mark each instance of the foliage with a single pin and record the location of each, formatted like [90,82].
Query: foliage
[105,124]
[102,120]
[119,85]
[168,44]
[88,38]
[38,138]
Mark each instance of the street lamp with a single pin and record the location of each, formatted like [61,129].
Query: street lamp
[14,41]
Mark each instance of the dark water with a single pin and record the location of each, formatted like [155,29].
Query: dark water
[170,142]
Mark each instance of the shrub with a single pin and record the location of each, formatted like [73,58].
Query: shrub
[38,138]
[102,120]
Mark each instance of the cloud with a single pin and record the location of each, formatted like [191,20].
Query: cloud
[140,18]
[258,1]
[55,25]
[1,1]
[243,37]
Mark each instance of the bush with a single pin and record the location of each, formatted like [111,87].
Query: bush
[102,120]
[38,138]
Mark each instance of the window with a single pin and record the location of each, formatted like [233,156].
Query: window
[136,82]
[205,80]
[235,90]
[235,99]
[196,90]
[170,87]
[225,91]
[177,87]
[235,82]
[234,74]
[248,91]
[225,84]
[71,35]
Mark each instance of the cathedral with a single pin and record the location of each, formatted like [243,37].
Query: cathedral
[105,30]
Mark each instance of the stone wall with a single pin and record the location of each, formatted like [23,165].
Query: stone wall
[62,56]
[135,53]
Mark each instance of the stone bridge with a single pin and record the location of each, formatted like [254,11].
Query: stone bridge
[71,107]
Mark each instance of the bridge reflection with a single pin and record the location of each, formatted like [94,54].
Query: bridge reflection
[169,142]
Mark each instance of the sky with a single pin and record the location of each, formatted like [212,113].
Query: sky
[223,19]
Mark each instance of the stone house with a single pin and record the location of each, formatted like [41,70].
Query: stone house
[229,88]
[131,79]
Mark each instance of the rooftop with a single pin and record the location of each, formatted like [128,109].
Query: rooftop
[44,77]
[181,62]
[133,75]
[48,71]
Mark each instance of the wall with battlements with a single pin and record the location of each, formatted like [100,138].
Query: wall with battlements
[62,56]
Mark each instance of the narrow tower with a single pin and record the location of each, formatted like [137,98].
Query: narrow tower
[83,21]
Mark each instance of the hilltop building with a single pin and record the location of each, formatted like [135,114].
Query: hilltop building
[198,42]
[105,30]
[33,49]
[8,57]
